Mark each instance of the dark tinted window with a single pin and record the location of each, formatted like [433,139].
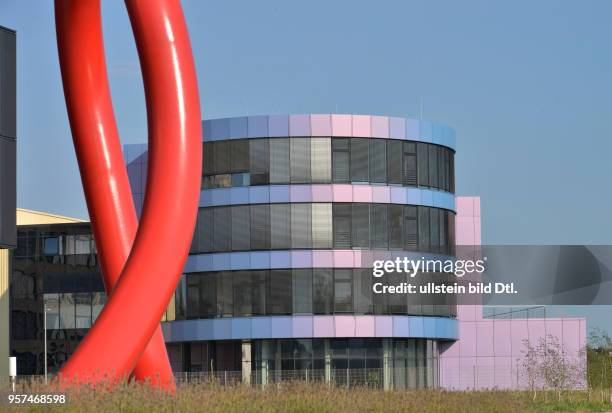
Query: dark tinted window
[323,290]
[340,160]
[360,171]
[378,161]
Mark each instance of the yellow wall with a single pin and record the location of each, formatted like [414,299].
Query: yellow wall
[29,217]
[24,217]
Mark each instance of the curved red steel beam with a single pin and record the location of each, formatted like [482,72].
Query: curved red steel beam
[126,337]
[105,181]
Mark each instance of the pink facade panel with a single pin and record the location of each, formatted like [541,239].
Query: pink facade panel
[502,345]
[322,193]
[468,339]
[321,125]
[484,344]
[362,125]
[380,127]
[343,259]
[342,125]
[323,326]
[342,193]
[381,194]
[518,333]
[345,326]
[362,193]
[364,326]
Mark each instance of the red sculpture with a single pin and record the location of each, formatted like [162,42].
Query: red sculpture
[141,263]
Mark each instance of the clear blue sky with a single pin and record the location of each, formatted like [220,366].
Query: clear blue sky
[526,84]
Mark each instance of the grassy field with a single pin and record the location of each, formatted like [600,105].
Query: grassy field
[309,397]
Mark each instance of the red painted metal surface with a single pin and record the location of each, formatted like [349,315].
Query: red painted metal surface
[141,264]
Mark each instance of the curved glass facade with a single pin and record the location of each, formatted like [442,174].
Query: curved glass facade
[306,291]
[324,226]
[348,362]
[339,185]
[304,160]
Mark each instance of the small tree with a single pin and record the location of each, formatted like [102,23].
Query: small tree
[529,364]
[547,363]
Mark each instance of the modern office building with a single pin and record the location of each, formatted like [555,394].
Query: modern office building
[293,211]
[8,135]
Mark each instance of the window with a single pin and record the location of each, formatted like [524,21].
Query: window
[343,291]
[297,291]
[241,179]
[239,155]
[315,226]
[378,226]
[322,226]
[424,240]
[409,160]
[362,290]
[441,175]
[302,287]
[301,228]
[323,290]
[52,304]
[51,246]
[394,161]
[221,150]
[193,298]
[278,299]
[434,225]
[378,161]
[260,227]
[300,160]
[67,311]
[340,160]
[443,231]
[258,284]
[97,303]
[205,229]
[433,166]
[410,228]
[241,228]
[208,158]
[225,294]
[280,221]
[260,161]
[396,227]
[83,310]
[243,298]
[342,225]
[320,160]
[222,229]
[396,302]
[360,171]
[279,161]
[361,225]
[422,157]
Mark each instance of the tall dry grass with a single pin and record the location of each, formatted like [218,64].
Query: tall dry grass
[302,397]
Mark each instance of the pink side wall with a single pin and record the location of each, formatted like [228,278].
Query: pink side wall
[488,352]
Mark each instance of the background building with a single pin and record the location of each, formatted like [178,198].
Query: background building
[54,274]
[8,135]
